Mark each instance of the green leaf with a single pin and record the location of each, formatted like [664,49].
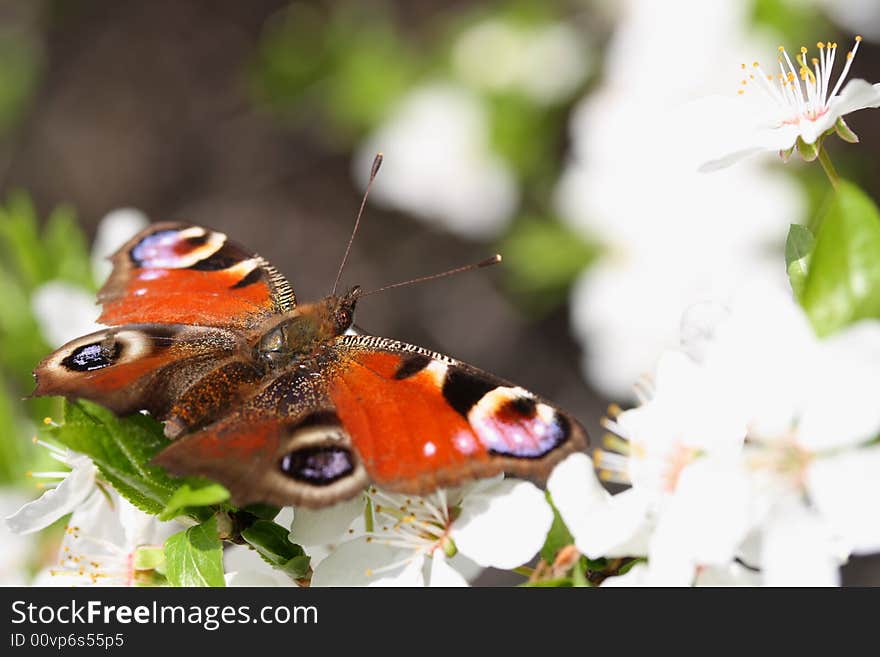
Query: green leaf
[20,241]
[149,558]
[541,259]
[557,538]
[273,543]
[798,247]
[193,494]
[843,281]
[122,449]
[194,557]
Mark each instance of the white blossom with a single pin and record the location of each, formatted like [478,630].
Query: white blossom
[436,540]
[671,236]
[103,539]
[760,450]
[438,164]
[803,100]
[74,488]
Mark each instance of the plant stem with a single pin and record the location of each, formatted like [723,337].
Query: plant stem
[828,167]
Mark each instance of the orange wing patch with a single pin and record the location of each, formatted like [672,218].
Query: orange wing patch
[180,274]
[408,436]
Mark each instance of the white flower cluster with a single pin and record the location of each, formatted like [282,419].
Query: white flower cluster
[752,458]
[672,236]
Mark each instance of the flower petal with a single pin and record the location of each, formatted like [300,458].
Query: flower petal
[360,562]
[702,524]
[732,574]
[857,94]
[602,525]
[797,549]
[635,576]
[244,567]
[442,574]
[64,312]
[115,229]
[503,526]
[56,502]
[839,407]
[845,489]
[325,526]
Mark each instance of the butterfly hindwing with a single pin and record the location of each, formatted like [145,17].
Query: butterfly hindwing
[174,273]
[285,446]
[420,420]
[402,417]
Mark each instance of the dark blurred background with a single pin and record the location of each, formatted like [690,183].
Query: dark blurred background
[151,105]
[192,110]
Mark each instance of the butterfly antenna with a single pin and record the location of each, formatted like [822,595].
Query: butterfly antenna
[377,162]
[494,260]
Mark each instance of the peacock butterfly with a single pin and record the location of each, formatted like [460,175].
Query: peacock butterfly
[279,402]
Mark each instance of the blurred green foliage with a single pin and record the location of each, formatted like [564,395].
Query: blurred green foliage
[29,257]
[797,22]
[343,68]
[20,69]
[347,64]
[542,258]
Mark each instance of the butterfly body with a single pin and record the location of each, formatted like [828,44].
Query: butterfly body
[275,400]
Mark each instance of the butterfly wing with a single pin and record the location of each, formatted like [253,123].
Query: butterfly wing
[419,419]
[183,374]
[174,273]
[376,410]
[285,446]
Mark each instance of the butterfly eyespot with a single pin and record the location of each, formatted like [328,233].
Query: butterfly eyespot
[319,466]
[93,356]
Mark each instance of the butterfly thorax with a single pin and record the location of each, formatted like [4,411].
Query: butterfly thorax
[306,329]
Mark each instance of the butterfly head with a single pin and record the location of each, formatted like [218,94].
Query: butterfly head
[341,309]
[301,333]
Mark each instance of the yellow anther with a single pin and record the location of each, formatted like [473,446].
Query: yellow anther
[47,420]
[814,60]
[740,91]
[742,66]
[820,45]
[803,50]
[858,37]
[368,572]
[781,48]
